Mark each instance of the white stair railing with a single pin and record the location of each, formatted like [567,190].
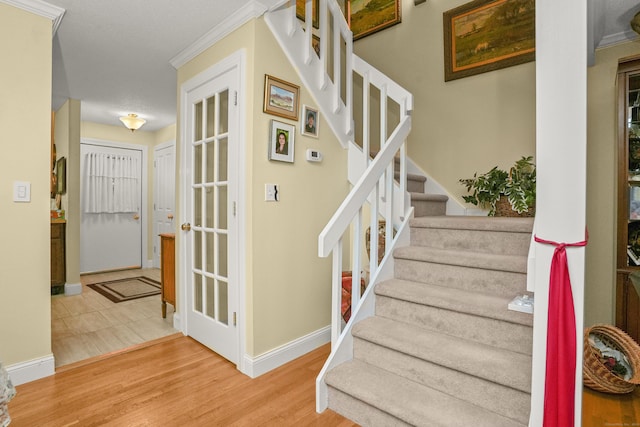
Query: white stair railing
[329,77]
[324,75]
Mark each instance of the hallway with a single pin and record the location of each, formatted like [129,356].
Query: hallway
[89,325]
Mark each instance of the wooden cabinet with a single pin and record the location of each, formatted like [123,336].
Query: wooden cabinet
[168,270]
[628,219]
[58,259]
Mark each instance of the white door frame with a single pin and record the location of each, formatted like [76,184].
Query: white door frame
[234,62]
[143,171]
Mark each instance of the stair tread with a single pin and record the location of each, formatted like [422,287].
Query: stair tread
[465,301]
[430,197]
[411,402]
[412,177]
[511,263]
[502,224]
[480,360]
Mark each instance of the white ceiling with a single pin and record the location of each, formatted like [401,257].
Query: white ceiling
[115,55]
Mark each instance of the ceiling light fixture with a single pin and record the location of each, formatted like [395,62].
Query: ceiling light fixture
[635,23]
[132,121]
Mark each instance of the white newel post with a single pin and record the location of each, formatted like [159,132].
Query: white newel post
[561,107]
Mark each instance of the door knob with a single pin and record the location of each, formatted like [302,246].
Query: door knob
[170,216]
[136,217]
[186,226]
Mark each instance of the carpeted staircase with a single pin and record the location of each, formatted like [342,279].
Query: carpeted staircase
[443,349]
[423,204]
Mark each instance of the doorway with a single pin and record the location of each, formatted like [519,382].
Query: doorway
[89,325]
[112,206]
[164,190]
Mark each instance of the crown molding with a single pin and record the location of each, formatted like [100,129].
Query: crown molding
[617,38]
[41,8]
[251,10]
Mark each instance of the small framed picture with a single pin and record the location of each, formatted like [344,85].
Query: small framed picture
[315,11]
[315,43]
[280,98]
[281,141]
[61,176]
[310,121]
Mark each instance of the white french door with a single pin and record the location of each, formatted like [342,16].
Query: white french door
[211,226]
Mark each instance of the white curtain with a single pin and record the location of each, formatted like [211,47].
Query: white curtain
[111,183]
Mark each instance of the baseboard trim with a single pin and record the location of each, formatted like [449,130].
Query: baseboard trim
[177,322]
[31,370]
[72,288]
[256,366]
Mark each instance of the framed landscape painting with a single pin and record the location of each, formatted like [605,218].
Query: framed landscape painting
[315,11]
[487,35]
[280,98]
[369,16]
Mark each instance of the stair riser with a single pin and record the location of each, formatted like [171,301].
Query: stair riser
[492,242]
[470,279]
[497,333]
[414,186]
[361,412]
[498,398]
[428,208]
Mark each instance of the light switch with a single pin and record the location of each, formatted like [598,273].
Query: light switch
[21,191]
[271,192]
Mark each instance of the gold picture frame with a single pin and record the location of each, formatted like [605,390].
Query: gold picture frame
[61,175]
[315,11]
[281,98]
[369,18]
[487,35]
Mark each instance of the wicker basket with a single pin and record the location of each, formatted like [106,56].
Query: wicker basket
[503,208]
[596,375]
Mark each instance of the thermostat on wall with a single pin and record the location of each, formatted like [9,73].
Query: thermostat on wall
[314,155]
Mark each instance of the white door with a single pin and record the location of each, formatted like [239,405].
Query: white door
[210,152]
[164,190]
[110,208]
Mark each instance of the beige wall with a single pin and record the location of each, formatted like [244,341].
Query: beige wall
[601,183]
[67,140]
[287,285]
[25,120]
[461,126]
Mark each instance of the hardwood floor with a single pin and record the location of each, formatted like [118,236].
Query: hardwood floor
[123,365]
[88,325]
[173,382]
[610,410]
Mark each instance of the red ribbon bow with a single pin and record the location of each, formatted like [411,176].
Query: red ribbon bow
[560,381]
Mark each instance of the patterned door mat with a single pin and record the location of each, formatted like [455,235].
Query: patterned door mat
[127,289]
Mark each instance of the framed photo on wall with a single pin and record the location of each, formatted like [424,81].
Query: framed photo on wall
[61,175]
[280,98]
[281,141]
[315,11]
[315,43]
[487,35]
[309,121]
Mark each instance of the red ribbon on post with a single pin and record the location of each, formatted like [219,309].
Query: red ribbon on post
[560,376]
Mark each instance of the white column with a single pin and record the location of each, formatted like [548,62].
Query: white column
[561,107]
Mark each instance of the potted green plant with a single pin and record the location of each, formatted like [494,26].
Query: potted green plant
[516,189]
